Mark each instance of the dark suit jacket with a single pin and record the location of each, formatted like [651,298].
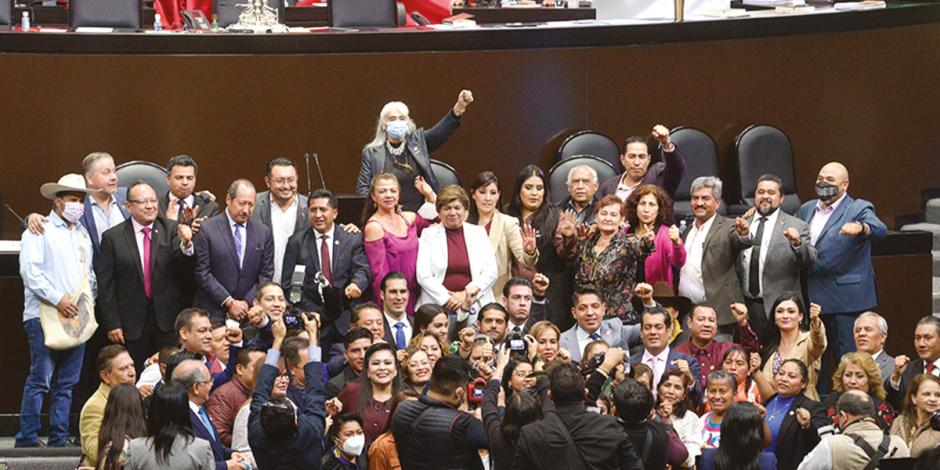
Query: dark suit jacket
[694,367]
[390,335]
[88,219]
[599,439]
[121,297]
[719,266]
[262,213]
[896,396]
[793,442]
[207,208]
[217,273]
[666,174]
[842,279]
[885,364]
[420,143]
[219,451]
[348,264]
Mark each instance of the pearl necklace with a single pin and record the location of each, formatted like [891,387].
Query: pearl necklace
[395,151]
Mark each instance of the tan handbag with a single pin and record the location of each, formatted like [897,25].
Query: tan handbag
[67,333]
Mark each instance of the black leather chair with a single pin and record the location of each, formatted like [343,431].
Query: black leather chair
[228,12]
[363,13]
[590,142]
[558,174]
[6,13]
[701,159]
[445,173]
[117,14]
[149,172]
[765,149]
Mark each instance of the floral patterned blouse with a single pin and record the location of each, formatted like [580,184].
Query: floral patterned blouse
[614,271]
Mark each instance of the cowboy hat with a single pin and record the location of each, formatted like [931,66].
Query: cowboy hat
[70,183]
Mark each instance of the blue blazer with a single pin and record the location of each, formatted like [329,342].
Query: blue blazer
[219,451]
[842,279]
[217,273]
[612,330]
[88,219]
[694,367]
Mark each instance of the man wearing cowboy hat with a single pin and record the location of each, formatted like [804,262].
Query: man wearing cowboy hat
[54,265]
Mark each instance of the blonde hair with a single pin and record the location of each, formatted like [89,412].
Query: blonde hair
[867,363]
[909,410]
[418,338]
[379,139]
[539,327]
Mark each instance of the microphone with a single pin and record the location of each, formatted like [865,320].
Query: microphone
[419,18]
[10,208]
[316,159]
[307,165]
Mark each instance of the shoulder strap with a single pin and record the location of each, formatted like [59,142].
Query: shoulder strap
[647,445]
[874,456]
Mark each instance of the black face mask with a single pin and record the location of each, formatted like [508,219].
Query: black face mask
[826,191]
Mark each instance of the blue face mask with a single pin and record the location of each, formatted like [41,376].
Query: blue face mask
[397,129]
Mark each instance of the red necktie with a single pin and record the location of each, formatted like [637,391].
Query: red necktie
[325,267]
[931,368]
[146,232]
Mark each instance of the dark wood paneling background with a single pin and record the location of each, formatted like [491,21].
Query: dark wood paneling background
[868,99]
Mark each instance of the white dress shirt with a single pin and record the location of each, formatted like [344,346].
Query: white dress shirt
[139,236]
[764,248]
[241,236]
[406,328]
[106,217]
[657,363]
[691,284]
[282,227]
[329,244]
[820,217]
[189,200]
[584,338]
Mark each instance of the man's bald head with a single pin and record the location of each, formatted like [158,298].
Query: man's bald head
[195,377]
[836,174]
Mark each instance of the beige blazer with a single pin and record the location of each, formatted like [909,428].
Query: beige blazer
[804,352]
[506,241]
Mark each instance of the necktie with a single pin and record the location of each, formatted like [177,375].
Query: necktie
[753,275]
[238,243]
[931,368]
[400,335]
[206,422]
[594,336]
[181,205]
[516,330]
[146,265]
[325,266]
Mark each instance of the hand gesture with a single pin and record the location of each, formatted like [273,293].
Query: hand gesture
[740,313]
[793,236]
[425,189]
[802,417]
[852,229]
[401,355]
[145,390]
[485,370]
[742,226]
[352,291]
[900,364]
[644,292]
[749,213]
[528,238]
[540,285]
[583,232]
[612,358]
[564,355]
[661,134]
[185,233]
[189,214]
[66,307]
[312,326]
[334,406]
[683,366]
[197,222]
[116,336]
[675,236]
[532,346]
[278,330]
[238,309]
[814,311]
[567,221]
[233,335]
[754,364]
[467,335]
[463,100]
[665,411]
[34,222]
[173,209]
[456,300]
[256,315]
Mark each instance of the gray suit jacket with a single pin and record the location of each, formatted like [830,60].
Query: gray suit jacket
[262,213]
[612,330]
[886,364]
[782,264]
[195,454]
[719,266]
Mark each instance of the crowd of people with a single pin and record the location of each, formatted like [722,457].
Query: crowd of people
[465,328]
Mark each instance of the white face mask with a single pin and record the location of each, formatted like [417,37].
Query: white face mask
[354,444]
[73,211]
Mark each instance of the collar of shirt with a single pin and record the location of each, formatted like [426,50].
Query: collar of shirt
[831,207]
[189,200]
[512,325]
[392,321]
[194,407]
[138,226]
[936,363]
[112,201]
[623,187]
[877,354]
[275,206]
[708,350]
[58,221]
[329,233]
[662,356]
[705,227]
[771,220]
[583,335]
[232,222]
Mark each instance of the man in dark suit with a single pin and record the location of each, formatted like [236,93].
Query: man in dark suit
[927,345]
[181,202]
[142,264]
[324,252]
[525,302]
[871,332]
[637,170]
[575,437]
[713,244]
[233,256]
[194,376]
[842,280]
[656,331]
[781,250]
[281,208]
[398,328]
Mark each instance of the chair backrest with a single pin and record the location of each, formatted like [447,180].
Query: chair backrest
[149,172]
[363,13]
[765,149]
[445,173]
[118,14]
[228,12]
[701,159]
[6,12]
[558,174]
[594,143]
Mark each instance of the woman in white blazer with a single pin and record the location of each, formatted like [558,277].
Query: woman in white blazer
[456,266]
[507,238]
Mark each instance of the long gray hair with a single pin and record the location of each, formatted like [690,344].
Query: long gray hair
[379,139]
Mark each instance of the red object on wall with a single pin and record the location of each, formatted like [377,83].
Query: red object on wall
[169,10]
[434,10]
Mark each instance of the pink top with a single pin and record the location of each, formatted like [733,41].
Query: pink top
[659,264]
[393,253]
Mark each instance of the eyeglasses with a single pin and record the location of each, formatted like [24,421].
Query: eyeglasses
[143,202]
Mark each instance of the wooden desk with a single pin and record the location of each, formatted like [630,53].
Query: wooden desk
[527,15]
[310,16]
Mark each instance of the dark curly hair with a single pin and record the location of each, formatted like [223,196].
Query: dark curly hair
[664,217]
